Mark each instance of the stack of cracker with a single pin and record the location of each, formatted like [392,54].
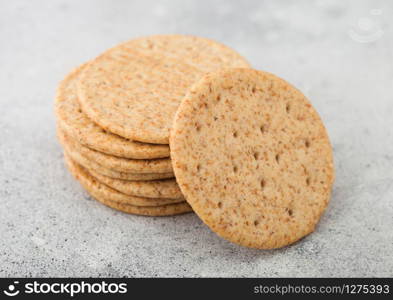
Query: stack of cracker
[168,124]
[113,118]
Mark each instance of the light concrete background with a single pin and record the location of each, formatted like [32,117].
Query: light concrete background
[339,53]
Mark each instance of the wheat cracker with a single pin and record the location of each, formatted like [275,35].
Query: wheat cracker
[96,167]
[134,89]
[101,192]
[252,157]
[77,125]
[127,165]
[166,188]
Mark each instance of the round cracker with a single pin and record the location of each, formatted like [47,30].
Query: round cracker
[134,89]
[167,188]
[77,125]
[252,158]
[92,165]
[159,165]
[102,192]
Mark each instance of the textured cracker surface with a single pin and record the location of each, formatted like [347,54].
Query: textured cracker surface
[134,89]
[252,157]
[167,188]
[119,164]
[96,167]
[103,193]
[77,125]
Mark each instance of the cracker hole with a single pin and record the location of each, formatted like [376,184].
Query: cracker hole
[308,181]
[79,111]
[277,158]
[256,223]
[198,167]
[307,143]
[256,155]
[218,98]
[263,183]
[219,204]
[288,108]
[262,128]
[235,134]
[290,212]
[254,89]
[198,127]
[235,169]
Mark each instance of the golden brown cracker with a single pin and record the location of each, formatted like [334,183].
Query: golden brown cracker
[252,157]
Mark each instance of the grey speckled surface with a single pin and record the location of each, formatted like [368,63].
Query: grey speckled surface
[340,53]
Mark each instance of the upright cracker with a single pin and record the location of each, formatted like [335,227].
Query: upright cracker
[93,166]
[134,89]
[167,188]
[104,193]
[77,125]
[252,158]
[159,165]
